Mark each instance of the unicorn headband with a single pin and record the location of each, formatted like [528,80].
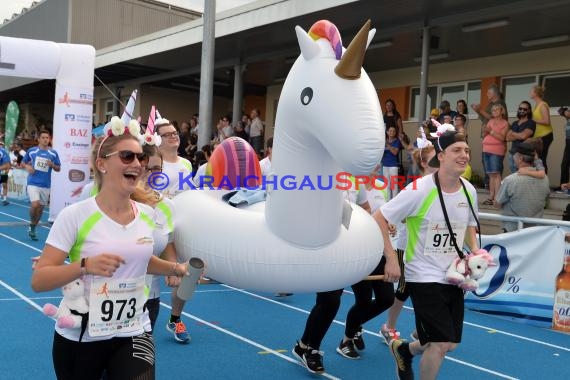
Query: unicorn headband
[150,136]
[441,129]
[118,126]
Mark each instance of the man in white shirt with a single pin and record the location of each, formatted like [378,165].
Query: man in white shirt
[438,305]
[177,169]
[256,131]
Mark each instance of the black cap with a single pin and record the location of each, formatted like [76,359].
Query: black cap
[523,148]
[441,143]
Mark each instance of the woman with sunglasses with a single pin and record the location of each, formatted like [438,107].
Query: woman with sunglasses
[108,239]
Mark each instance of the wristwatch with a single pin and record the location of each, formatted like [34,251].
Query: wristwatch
[83,266]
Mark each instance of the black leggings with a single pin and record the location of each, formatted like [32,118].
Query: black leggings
[546,141]
[365,308]
[321,317]
[129,358]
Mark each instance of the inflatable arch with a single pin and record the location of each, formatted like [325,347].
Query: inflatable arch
[72,67]
[300,240]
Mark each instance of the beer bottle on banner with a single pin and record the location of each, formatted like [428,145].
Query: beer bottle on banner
[561,313]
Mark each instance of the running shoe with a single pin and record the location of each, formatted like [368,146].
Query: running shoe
[347,350]
[310,358]
[358,341]
[178,329]
[5,202]
[403,359]
[32,233]
[389,334]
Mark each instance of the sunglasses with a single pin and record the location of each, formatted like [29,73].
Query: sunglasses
[127,156]
[523,109]
[153,169]
[169,134]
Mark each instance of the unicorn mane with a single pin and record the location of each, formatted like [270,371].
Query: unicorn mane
[326,29]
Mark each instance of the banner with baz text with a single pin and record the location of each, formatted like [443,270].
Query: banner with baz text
[72,140]
[522,285]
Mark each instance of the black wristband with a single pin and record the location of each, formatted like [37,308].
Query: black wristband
[83,266]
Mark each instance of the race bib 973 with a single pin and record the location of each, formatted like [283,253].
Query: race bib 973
[116,305]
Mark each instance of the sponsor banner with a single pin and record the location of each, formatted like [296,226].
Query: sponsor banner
[17,181]
[522,285]
[12,116]
[72,141]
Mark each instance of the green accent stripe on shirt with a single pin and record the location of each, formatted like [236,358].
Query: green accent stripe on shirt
[147,219]
[84,230]
[162,206]
[414,223]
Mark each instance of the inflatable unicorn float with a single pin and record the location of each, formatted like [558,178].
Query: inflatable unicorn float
[303,240]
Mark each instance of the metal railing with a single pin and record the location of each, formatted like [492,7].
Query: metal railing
[522,220]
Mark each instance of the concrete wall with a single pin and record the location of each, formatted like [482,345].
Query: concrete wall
[103,23]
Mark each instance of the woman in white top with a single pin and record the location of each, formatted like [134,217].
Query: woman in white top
[109,240]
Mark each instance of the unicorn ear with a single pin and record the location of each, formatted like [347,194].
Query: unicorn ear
[371,34]
[309,48]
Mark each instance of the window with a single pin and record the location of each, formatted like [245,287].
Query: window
[452,94]
[556,90]
[469,91]
[556,87]
[516,90]
[415,98]
[473,97]
[95,118]
[108,109]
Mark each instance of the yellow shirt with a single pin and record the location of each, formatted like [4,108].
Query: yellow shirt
[541,129]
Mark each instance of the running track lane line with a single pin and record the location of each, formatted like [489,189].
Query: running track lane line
[24,220]
[234,335]
[23,297]
[483,369]
[44,211]
[20,242]
[499,332]
[248,341]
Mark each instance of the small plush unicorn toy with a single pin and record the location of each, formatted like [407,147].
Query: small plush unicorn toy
[465,272]
[73,299]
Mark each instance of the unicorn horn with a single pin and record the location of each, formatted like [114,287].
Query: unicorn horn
[350,64]
[130,108]
[151,118]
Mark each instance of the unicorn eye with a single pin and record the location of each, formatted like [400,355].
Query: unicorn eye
[306,95]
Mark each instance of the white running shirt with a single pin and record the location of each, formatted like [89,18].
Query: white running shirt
[424,220]
[83,230]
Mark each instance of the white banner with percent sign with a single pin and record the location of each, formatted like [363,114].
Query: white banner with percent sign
[522,285]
